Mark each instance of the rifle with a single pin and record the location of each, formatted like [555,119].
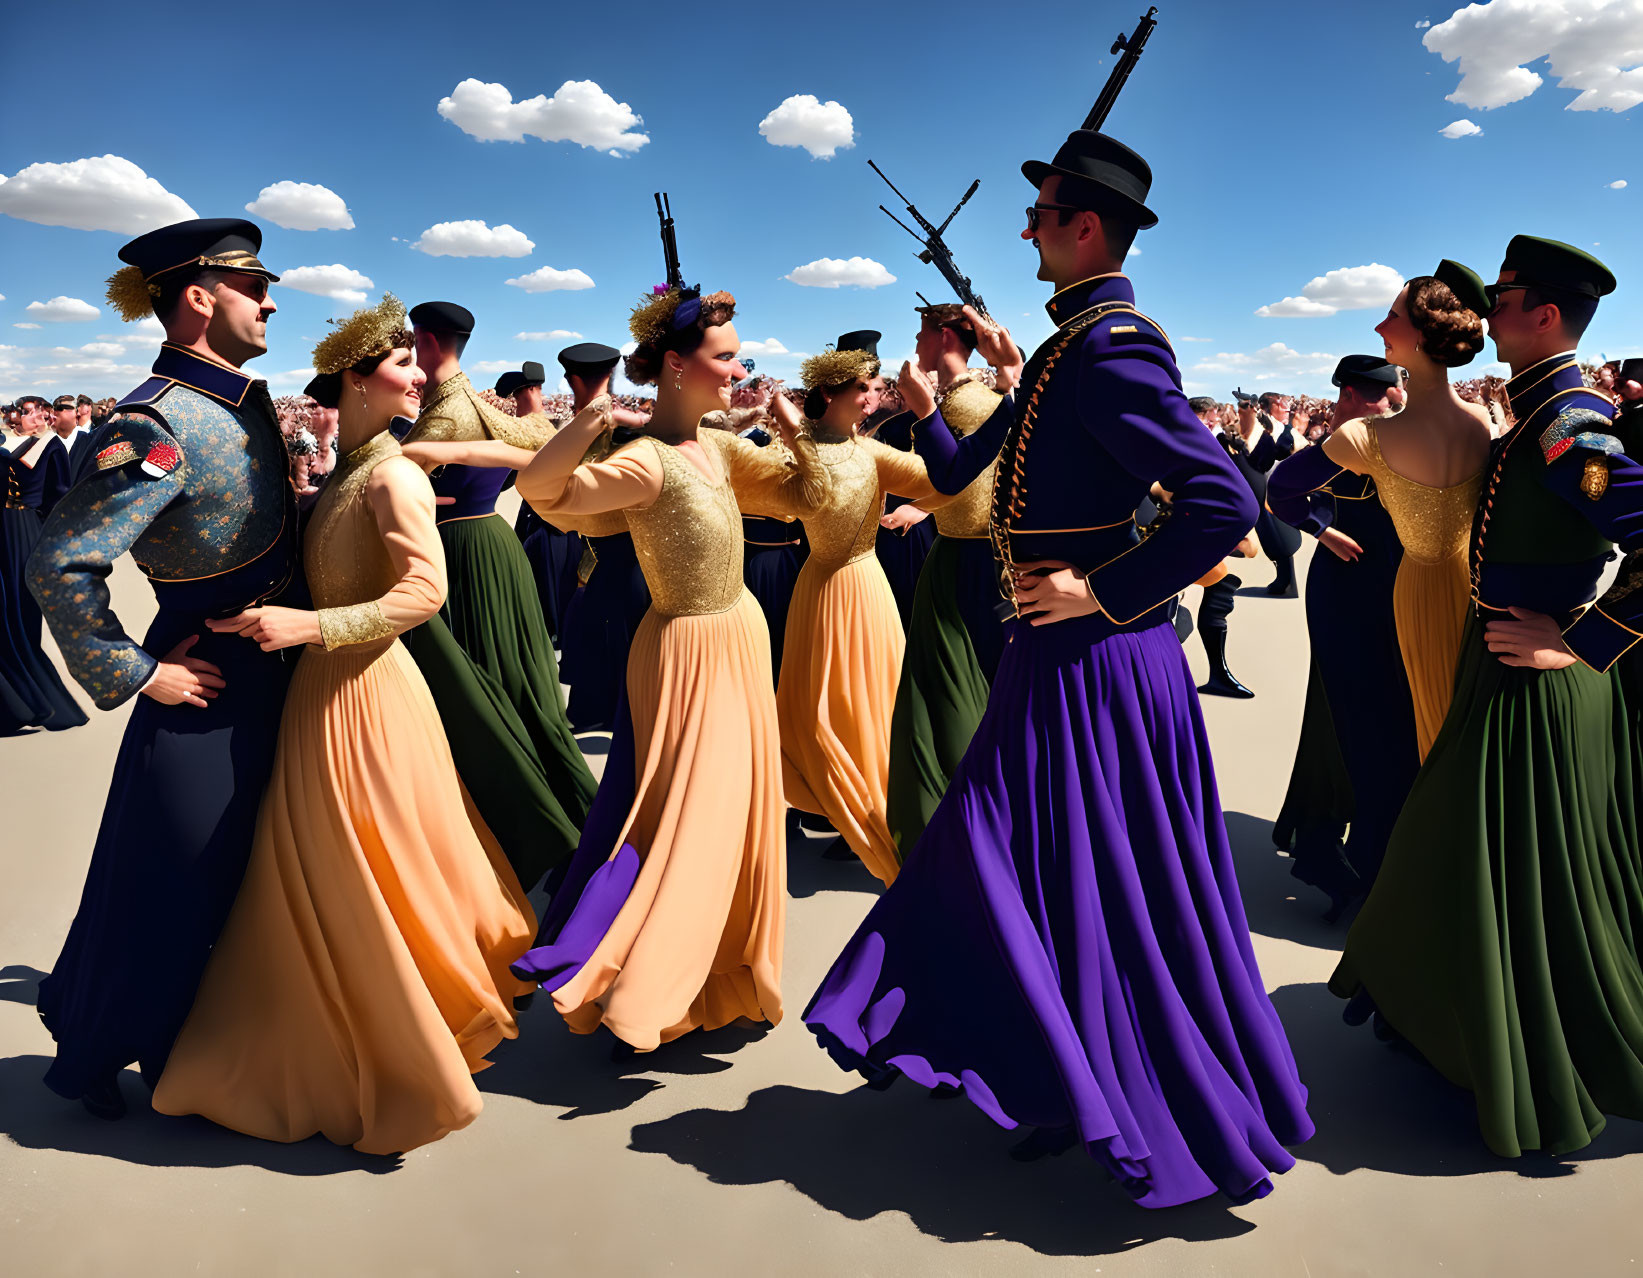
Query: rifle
[1132,45]
[936,252]
[670,245]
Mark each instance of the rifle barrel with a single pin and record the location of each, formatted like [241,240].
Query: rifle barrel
[1132,45]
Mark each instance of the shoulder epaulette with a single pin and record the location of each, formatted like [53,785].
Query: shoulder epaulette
[1577,427]
[1123,329]
[146,394]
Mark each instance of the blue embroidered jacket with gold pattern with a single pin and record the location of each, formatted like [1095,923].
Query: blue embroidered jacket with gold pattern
[191,478]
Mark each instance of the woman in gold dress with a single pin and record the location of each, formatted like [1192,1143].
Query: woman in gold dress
[363,973]
[1427,463]
[671,917]
[841,659]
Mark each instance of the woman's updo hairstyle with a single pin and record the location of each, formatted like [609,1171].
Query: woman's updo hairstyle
[672,320]
[357,344]
[1451,332]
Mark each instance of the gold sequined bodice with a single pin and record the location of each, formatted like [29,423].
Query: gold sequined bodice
[965,405]
[689,540]
[342,549]
[847,527]
[1434,524]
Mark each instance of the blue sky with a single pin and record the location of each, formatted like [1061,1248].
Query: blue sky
[1287,142]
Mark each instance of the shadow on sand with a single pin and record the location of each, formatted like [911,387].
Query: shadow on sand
[548,1065]
[38,1119]
[1381,1108]
[1276,903]
[809,872]
[19,984]
[942,1163]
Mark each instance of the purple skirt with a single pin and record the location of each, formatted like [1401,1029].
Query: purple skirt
[1067,944]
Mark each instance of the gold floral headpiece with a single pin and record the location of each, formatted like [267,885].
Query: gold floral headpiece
[658,313]
[835,368]
[368,331]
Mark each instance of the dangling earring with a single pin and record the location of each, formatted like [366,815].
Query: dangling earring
[679,380]
[363,406]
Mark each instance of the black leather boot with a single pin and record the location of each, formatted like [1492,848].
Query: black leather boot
[1222,682]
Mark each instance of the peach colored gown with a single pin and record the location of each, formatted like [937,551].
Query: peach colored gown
[841,655]
[1433,586]
[363,972]
[689,933]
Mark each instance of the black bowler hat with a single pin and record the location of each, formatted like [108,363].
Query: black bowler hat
[443,317]
[224,243]
[509,382]
[1552,264]
[863,339]
[589,359]
[531,374]
[1465,284]
[1368,372]
[1105,162]
[1630,370]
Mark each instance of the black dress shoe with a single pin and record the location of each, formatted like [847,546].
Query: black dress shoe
[1282,589]
[104,1099]
[1044,1142]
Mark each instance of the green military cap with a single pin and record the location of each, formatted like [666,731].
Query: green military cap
[1465,284]
[1551,264]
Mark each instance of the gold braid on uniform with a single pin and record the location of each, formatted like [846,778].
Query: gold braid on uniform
[837,368]
[131,295]
[368,331]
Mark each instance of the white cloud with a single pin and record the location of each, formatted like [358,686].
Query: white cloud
[1348,288]
[492,366]
[833,272]
[110,350]
[25,326]
[1274,361]
[295,378]
[1618,186]
[1423,24]
[336,281]
[552,335]
[769,347]
[579,111]
[302,206]
[548,280]
[1586,43]
[149,326]
[2,297]
[103,193]
[821,128]
[472,238]
[1460,129]
[1195,339]
[62,310]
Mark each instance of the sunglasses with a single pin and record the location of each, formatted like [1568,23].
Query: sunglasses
[1034,211]
[253,286]
[1493,291]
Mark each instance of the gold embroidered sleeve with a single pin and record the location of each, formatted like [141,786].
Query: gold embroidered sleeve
[530,432]
[356,623]
[773,480]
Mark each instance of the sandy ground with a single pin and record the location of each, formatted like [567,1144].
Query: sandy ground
[740,1154]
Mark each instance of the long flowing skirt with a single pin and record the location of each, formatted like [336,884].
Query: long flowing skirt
[840,666]
[1318,804]
[554,556]
[672,914]
[1430,602]
[902,556]
[1067,943]
[493,611]
[170,854]
[600,622]
[362,975]
[953,647]
[1501,938]
[31,692]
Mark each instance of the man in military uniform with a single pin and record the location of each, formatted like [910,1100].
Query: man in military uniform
[1076,880]
[1499,937]
[190,476]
